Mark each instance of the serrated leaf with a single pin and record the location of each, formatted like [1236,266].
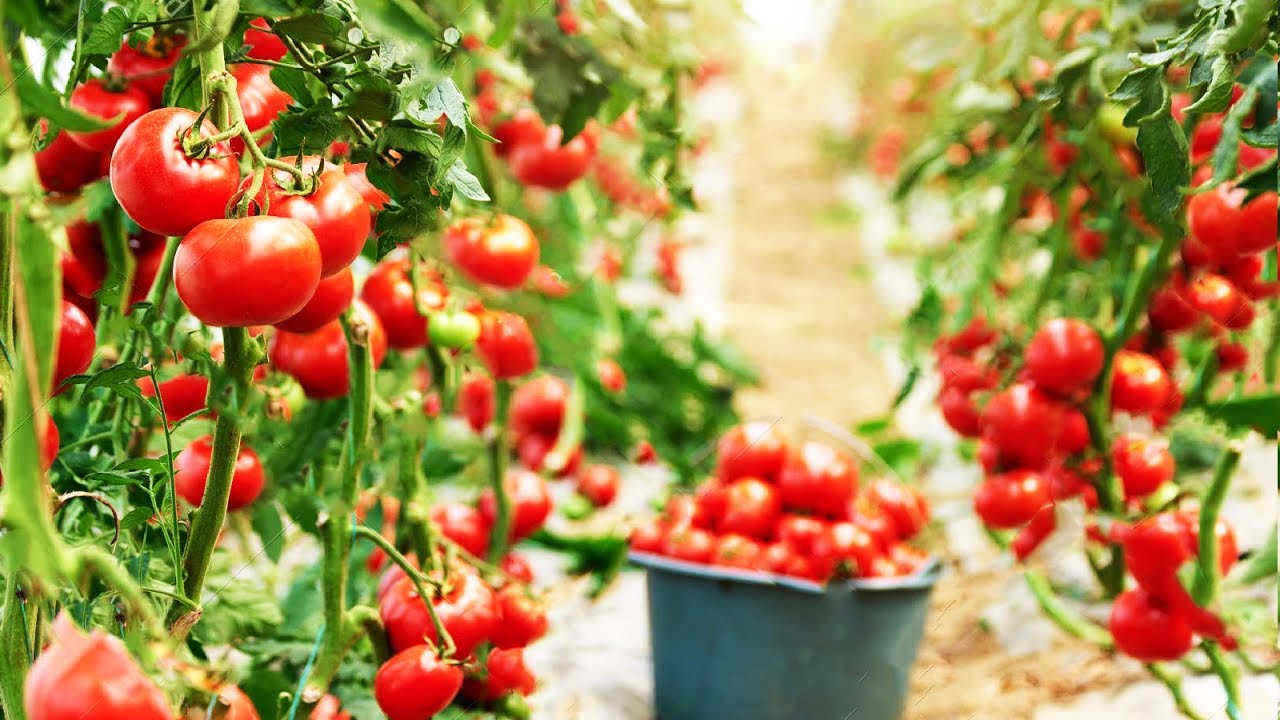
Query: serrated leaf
[412,139]
[294,83]
[108,33]
[314,28]
[119,379]
[1218,95]
[107,479]
[1135,84]
[1260,412]
[154,466]
[44,102]
[315,127]
[136,517]
[375,98]
[444,98]
[455,141]
[1153,101]
[1164,152]
[467,185]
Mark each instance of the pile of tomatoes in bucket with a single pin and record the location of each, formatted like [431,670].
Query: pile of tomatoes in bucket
[790,509]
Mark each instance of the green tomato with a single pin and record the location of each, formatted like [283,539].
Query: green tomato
[1111,125]
[453,330]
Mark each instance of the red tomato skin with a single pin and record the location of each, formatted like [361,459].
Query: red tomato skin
[335,212]
[647,537]
[1010,500]
[752,508]
[525,127]
[1029,427]
[329,708]
[1065,355]
[237,705]
[905,506]
[260,101]
[960,412]
[844,542]
[1140,385]
[469,612]
[506,345]
[1227,225]
[263,44]
[523,619]
[477,401]
[463,525]
[191,472]
[416,684]
[181,394]
[506,673]
[537,406]
[357,175]
[149,66]
[549,164]
[1170,312]
[76,343]
[332,297]
[251,271]
[754,449]
[599,484]
[1146,630]
[530,503]
[318,360]
[819,479]
[94,99]
[389,292]
[611,375]
[501,252]
[1142,464]
[149,163]
[689,544]
[65,167]
[517,568]
[80,676]
[737,551]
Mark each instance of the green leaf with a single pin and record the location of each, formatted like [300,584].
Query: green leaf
[1153,102]
[444,98]
[294,83]
[1260,412]
[154,466]
[1218,95]
[465,183]
[375,98]
[108,34]
[1164,150]
[313,28]
[119,379]
[44,102]
[267,524]
[136,517]
[1260,565]
[315,127]
[1136,83]
[109,479]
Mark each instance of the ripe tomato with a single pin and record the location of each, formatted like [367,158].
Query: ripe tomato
[318,360]
[977,334]
[233,704]
[752,507]
[181,394]
[549,164]
[1156,546]
[516,567]
[1010,500]
[1146,629]
[525,127]
[85,268]
[537,406]
[611,375]
[64,166]
[505,673]
[800,531]
[647,537]
[966,374]
[76,343]
[960,412]
[149,164]
[416,684]
[737,551]
[818,479]
[549,283]
[191,472]
[844,548]
[469,611]
[1170,312]
[329,708]
[530,503]
[501,251]
[524,620]
[1142,464]
[359,179]
[1064,356]
[389,292]
[1217,297]
[463,525]
[533,450]
[334,211]
[870,516]
[249,271]
[905,506]
[476,400]
[148,66]
[1033,534]
[506,345]
[80,676]
[689,544]
[599,484]
[262,43]
[1140,385]
[753,449]
[95,99]
[332,297]
[260,100]
[1029,427]
[1222,220]
[1245,272]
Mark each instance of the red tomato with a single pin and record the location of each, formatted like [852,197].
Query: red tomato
[1010,500]
[1218,298]
[515,566]
[260,100]
[1170,312]
[262,44]
[64,166]
[1142,464]
[844,548]
[181,394]
[318,360]
[1029,427]
[416,684]
[1089,243]
[79,676]
[537,406]
[1232,356]
[359,179]
[611,375]
[818,479]
[905,506]
[550,164]
[737,551]
[329,708]
[85,268]
[532,450]
[599,484]
[1222,220]
[76,343]
[754,449]
[501,251]
[476,400]
[1033,534]
[389,292]
[250,271]
[469,612]
[149,66]
[1140,385]
[1146,629]
[1156,546]
[752,508]
[332,297]
[549,283]
[505,673]
[1245,272]
[966,374]
[907,559]
[530,503]
[870,516]
[506,345]
[974,336]
[237,705]
[1064,356]
[1065,484]
[525,127]
[800,531]
[150,164]
[689,544]
[463,525]
[960,412]
[524,620]
[334,211]
[647,537]
[191,472]
[95,99]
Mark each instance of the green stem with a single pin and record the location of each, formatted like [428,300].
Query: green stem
[97,562]
[370,624]
[1205,586]
[425,587]
[1173,682]
[498,451]
[1230,678]
[8,247]
[173,489]
[571,431]
[14,653]
[1271,355]
[1060,242]
[1064,617]
[989,257]
[421,535]
[206,524]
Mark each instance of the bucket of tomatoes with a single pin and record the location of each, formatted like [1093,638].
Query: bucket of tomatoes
[781,589]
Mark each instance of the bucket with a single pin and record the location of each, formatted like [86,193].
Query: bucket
[756,646]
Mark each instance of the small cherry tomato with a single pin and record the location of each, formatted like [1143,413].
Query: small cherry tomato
[389,292]
[1010,500]
[819,479]
[752,507]
[1065,355]
[599,484]
[530,503]
[1142,464]
[754,449]
[148,66]
[1140,385]
[262,43]
[506,345]
[1146,629]
[318,360]
[416,684]
[76,343]
[501,251]
[191,472]
[476,400]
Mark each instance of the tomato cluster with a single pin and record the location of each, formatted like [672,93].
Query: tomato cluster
[536,154]
[789,510]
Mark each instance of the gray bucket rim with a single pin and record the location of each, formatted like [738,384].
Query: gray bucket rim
[923,579]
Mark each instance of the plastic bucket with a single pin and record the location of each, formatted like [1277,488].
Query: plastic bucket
[732,644]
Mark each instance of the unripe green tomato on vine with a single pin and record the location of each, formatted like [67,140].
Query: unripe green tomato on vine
[1111,124]
[453,330]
